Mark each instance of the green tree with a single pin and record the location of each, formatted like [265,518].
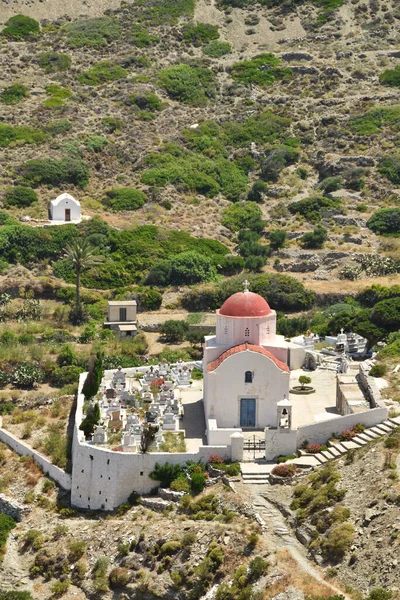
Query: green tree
[304,380]
[174,331]
[90,421]
[314,239]
[148,436]
[67,356]
[94,377]
[277,238]
[82,256]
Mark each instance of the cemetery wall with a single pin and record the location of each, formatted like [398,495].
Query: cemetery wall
[368,386]
[103,479]
[321,432]
[61,477]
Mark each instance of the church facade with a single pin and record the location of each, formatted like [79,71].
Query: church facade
[246,366]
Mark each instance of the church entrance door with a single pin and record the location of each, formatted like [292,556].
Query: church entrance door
[247,412]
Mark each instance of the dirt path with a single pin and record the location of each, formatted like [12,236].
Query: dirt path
[14,570]
[283,540]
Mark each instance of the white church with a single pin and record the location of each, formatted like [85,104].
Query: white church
[65,209]
[246,367]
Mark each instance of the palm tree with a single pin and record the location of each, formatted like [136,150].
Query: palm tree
[82,255]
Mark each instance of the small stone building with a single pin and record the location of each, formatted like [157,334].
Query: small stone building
[122,317]
[65,209]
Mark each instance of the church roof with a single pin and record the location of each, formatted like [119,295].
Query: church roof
[245,304]
[64,196]
[243,348]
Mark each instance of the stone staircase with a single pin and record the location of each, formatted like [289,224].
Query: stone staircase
[258,473]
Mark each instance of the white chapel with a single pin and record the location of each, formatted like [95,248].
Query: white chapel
[65,209]
[246,367]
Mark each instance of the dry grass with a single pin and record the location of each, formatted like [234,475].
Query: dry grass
[298,578]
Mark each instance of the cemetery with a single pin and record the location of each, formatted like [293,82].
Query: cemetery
[124,429]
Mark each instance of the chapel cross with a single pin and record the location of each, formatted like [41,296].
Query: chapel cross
[246,285]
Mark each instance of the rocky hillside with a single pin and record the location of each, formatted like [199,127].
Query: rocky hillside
[198,105]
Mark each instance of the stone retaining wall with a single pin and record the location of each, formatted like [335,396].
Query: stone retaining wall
[12,508]
[368,386]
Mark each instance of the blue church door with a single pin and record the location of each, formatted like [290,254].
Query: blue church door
[247,412]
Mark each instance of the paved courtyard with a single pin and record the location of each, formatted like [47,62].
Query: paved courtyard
[193,421]
[316,407]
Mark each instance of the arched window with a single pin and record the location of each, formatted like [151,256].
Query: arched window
[247,332]
[248,377]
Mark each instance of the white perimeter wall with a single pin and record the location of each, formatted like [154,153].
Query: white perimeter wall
[60,476]
[321,432]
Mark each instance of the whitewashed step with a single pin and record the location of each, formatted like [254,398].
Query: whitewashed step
[320,458]
[363,436]
[389,424]
[256,481]
[350,445]
[333,452]
[375,429]
[359,440]
[327,454]
[371,434]
[255,476]
[338,447]
[305,461]
[383,428]
[395,420]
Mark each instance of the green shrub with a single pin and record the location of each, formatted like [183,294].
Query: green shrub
[185,268]
[330,184]
[170,548]
[385,221]
[58,127]
[217,49]
[59,588]
[197,483]
[13,94]
[180,484]
[21,28]
[21,134]
[20,196]
[241,215]
[141,38]
[125,199]
[199,34]
[119,577]
[102,73]
[276,160]
[389,166]
[166,473]
[26,375]
[174,331]
[338,541]
[258,189]
[277,238]
[15,596]
[190,85]
[147,101]
[375,120]
[310,208]
[76,550]
[261,70]
[93,32]
[66,375]
[53,172]
[177,166]
[6,525]
[257,568]
[53,62]
[391,77]
[378,370]
[314,239]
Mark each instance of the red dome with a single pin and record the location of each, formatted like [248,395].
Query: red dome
[245,304]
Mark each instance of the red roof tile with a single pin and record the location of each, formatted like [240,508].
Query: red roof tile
[242,348]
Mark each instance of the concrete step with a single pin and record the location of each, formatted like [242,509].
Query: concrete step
[320,458]
[350,445]
[395,420]
[377,430]
[256,481]
[338,447]
[327,454]
[363,436]
[254,476]
[359,440]
[389,423]
[333,452]
[371,434]
[305,461]
[383,428]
